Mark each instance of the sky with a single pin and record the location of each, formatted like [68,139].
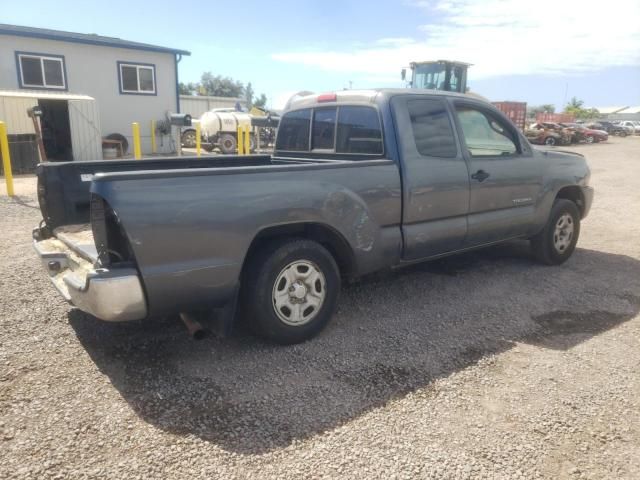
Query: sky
[539,52]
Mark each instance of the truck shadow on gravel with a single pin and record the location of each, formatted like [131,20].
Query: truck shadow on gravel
[393,334]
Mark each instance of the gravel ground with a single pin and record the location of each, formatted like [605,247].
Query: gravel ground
[485,365]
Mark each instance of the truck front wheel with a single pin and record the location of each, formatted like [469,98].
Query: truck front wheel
[557,240]
[290,291]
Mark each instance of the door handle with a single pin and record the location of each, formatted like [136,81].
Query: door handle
[480,176]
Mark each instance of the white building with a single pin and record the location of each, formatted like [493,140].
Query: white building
[88,87]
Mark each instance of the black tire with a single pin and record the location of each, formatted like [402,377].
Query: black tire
[551,141]
[259,290]
[622,134]
[122,139]
[188,139]
[228,143]
[543,245]
[589,139]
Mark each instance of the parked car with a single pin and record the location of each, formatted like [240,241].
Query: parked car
[635,126]
[584,134]
[629,129]
[548,133]
[609,127]
[359,181]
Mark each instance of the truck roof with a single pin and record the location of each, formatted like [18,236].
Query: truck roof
[363,96]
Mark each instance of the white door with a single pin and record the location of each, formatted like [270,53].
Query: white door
[86,139]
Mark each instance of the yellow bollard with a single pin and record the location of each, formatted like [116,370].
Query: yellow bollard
[198,139]
[153,136]
[247,140]
[137,153]
[6,159]
[240,141]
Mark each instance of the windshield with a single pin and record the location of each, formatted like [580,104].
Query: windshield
[430,76]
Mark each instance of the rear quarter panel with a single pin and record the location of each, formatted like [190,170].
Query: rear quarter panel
[190,233]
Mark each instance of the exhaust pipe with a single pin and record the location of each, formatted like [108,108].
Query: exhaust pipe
[194,328]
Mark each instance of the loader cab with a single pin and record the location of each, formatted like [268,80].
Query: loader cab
[444,75]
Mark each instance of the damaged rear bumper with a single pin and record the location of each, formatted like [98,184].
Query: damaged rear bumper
[113,295]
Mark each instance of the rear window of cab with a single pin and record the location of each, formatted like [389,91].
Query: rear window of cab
[347,129]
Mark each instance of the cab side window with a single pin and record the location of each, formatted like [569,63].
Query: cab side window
[484,135]
[432,130]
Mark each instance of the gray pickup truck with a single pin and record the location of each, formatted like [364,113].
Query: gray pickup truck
[359,181]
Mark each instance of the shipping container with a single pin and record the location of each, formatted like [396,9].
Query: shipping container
[515,111]
[555,117]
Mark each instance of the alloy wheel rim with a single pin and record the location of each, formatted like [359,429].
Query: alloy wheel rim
[299,293]
[563,233]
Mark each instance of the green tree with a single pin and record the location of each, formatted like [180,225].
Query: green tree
[576,108]
[548,108]
[219,86]
[574,103]
[248,95]
[261,101]
[545,108]
[188,88]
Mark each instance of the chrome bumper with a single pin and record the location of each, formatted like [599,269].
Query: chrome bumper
[114,295]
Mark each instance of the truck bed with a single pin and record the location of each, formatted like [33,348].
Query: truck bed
[78,238]
[63,187]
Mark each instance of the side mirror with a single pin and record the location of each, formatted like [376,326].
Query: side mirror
[403,74]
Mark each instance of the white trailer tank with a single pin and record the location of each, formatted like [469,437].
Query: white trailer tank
[220,127]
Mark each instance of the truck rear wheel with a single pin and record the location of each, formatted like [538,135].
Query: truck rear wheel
[557,240]
[228,143]
[291,290]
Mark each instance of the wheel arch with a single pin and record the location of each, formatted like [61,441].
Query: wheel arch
[573,193]
[325,235]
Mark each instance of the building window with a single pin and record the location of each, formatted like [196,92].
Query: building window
[137,78]
[37,70]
